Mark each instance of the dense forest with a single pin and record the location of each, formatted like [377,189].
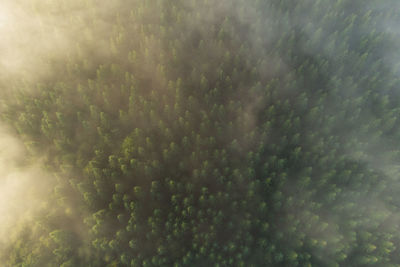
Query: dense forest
[204,133]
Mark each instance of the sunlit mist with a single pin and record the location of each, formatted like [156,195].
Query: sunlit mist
[4,17]
[199,133]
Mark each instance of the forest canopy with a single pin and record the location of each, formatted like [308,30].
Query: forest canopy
[199,133]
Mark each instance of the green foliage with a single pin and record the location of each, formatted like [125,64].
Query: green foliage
[218,133]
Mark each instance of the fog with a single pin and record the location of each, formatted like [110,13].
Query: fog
[24,188]
[39,36]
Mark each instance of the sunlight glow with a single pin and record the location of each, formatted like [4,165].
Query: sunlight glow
[5,18]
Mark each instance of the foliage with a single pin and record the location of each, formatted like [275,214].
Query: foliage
[218,133]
